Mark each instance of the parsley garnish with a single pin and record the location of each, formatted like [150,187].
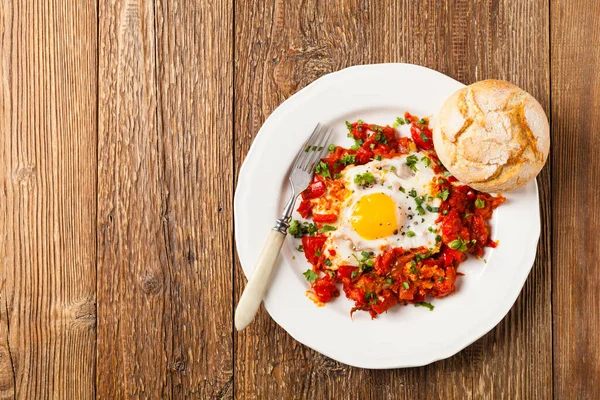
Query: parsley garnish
[389,281]
[422,121]
[405,285]
[348,159]
[327,228]
[378,158]
[444,195]
[310,275]
[458,244]
[479,203]
[412,193]
[447,174]
[402,189]
[411,161]
[425,304]
[300,248]
[399,121]
[348,125]
[331,148]
[393,168]
[337,176]
[298,229]
[365,262]
[410,234]
[365,179]
[327,262]
[381,138]
[323,170]
[426,161]
[424,137]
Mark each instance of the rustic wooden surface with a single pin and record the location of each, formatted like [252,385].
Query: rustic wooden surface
[123,125]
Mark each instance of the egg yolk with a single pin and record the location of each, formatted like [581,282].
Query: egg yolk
[374,216]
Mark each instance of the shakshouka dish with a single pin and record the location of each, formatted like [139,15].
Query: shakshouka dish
[387,222]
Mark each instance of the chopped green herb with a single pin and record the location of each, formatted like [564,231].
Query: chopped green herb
[348,159]
[425,304]
[432,229]
[479,203]
[389,281]
[318,253]
[348,125]
[354,274]
[327,262]
[458,244]
[438,238]
[411,161]
[485,261]
[364,179]
[381,138]
[337,176]
[327,228]
[426,161]
[393,168]
[421,121]
[331,274]
[323,170]
[412,193]
[300,248]
[405,285]
[424,137]
[467,215]
[378,158]
[297,229]
[372,146]
[445,212]
[402,189]
[399,121]
[447,174]
[357,144]
[307,149]
[310,275]
[331,148]
[413,269]
[410,234]
[444,195]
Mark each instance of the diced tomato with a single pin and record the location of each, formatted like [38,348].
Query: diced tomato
[324,218]
[422,136]
[305,208]
[363,156]
[312,246]
[325,289]
[345,271]
[315,189]
[451,256]
[385,300]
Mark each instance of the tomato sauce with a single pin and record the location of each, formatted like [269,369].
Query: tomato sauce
[400,276]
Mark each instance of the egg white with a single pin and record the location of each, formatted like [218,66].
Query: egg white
[390,175]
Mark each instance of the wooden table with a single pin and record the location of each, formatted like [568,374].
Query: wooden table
[123,125]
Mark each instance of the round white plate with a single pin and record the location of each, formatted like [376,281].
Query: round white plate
[405,336]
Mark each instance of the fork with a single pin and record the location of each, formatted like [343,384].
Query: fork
[300,176]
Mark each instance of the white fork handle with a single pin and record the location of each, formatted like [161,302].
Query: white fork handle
[258,282]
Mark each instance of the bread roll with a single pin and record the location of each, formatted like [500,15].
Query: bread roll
[492,136]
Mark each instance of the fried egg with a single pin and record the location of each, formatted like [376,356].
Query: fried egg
[388,203]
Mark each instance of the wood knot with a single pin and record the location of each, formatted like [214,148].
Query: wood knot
[25,174]
[81,314]
[151,284]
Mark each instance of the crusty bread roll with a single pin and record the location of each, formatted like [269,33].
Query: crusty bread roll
[492,136]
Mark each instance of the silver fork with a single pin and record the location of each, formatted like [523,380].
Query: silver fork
[300,176]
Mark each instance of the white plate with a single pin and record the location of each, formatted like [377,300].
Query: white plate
[406,336]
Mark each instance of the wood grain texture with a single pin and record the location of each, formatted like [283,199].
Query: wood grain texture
[164,211]
[280,47]
[576,204]
[48,76]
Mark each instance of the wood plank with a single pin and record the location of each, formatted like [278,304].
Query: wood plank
[576,173]
[281,46]
[48,75]
[164,206]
